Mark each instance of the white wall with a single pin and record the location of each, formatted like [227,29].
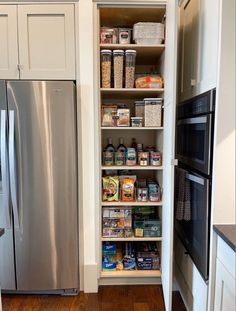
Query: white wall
[224,150]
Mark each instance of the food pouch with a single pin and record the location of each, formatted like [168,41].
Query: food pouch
[127,190]
[110,188]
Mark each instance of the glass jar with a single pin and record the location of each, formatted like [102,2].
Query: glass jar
[130,58]
[106,68]
[118,59]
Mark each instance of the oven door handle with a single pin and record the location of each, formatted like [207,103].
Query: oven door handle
[196,179]
[198,120]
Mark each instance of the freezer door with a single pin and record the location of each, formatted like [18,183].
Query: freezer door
[7,266]
[43,179]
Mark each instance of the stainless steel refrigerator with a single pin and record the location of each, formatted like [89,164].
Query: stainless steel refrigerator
[38,186]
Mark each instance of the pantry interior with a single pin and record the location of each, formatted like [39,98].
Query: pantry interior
[151,59]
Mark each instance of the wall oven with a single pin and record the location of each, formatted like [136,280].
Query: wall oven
[194,151]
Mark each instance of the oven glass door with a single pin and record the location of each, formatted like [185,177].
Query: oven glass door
[194,232]
[194,142]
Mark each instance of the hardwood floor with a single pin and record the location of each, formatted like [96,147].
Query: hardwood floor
[109,298]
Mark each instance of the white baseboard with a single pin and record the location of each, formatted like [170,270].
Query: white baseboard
[90,278]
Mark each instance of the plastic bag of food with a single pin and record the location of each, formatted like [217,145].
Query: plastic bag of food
[127,190]
[110,188]
[149,81]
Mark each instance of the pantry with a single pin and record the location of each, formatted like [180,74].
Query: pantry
[135,105]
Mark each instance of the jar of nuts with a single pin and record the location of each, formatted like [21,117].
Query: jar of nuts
[118,59]
[130,57]
[106,68]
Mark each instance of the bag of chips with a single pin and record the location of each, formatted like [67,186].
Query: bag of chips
[110,188]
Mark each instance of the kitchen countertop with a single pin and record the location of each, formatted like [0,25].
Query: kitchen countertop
[1,232]
[227,233]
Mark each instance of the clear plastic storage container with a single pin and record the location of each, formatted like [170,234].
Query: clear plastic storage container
[118,59]
[139,109]
[149,33]
[106,68]
[153,112]
[130,58]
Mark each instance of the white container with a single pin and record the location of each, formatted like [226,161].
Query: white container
[153,112]
[149,33]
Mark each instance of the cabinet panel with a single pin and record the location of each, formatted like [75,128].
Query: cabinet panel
[8,39]
[225,289]
[46,41]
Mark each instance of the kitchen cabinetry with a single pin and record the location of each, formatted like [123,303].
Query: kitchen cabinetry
[45,45]
[163,58]
[198,46]
[225,283]
[192,287]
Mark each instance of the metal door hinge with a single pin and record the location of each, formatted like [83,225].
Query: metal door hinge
[174,162]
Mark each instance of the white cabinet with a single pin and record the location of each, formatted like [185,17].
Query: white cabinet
[189,27]
[198,46]
[46,42]
[225,284]
[191,285]
[8,39]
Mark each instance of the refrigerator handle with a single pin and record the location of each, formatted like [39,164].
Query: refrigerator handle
[4,169]
[12,168]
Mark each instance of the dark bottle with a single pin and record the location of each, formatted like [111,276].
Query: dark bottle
[108,153]
[120,153]
[134,143]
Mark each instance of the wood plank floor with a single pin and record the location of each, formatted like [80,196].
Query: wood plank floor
[109,298]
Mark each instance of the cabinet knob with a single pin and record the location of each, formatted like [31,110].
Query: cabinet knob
[20,67]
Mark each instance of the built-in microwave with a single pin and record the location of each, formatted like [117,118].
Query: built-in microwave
[195,128]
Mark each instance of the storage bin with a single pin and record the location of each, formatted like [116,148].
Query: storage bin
[139,109]
[130,58]
[153,112]
[124,35]
[148,33]
[109,35]
[118,60]
[151,228]
[106,68]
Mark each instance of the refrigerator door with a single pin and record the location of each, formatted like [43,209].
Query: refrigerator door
[7,264]
[43,179]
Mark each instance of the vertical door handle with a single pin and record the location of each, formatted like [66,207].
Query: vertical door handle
[4,169]
[12,168]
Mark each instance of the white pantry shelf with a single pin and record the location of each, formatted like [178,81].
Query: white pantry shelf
[131,273]
[123,93]
[132,239]
[135,167]
[105,203]
[131,128]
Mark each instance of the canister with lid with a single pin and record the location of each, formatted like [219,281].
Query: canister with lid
[153,111]
[106,68]
[130,58]
[118,60]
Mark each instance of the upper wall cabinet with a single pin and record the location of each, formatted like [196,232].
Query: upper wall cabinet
[46,42]
[198,45]
[8,39]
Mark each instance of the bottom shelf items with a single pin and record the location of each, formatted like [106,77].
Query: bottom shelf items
[130,259]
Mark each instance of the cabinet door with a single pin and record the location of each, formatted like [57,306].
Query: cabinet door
[8,45]
[46,41]
[225,289]
[189,32]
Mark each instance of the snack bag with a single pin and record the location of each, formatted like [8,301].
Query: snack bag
[127,190]
[110,188]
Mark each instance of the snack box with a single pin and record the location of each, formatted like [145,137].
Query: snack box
[109,263]
[148,261]
[108,248]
